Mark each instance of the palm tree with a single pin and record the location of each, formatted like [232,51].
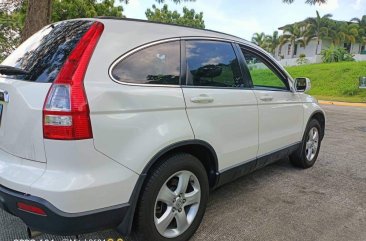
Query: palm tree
[317,28]
[360,21]
[337,33]
[272,42]
[259,39]
[351,33]
[361,31]
[292,34]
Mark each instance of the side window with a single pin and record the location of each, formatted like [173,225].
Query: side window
[213,64]
[262,75]
[158,64]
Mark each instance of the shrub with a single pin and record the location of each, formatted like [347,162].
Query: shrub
[302,59]
[336,54]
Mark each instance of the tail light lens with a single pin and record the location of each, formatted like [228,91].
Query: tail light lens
[66,113]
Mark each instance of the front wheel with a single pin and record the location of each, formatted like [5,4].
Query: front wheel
[307,153]
[173,201]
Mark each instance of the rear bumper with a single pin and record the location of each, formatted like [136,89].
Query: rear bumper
[75,179]
[59,222]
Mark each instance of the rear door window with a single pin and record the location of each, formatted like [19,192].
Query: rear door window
[44,54]
[212,64]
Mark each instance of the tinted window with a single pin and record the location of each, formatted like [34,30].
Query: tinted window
[212,63]
[44,54]
[262,75]
[158,64]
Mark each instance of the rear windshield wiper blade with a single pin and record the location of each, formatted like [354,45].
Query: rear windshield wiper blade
[8,70]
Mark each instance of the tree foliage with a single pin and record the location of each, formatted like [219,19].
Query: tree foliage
[272,41]
[164,15]
[311,2]
[68,9]
[292,34]
[317,28]
[10,23]
[259,39]
[13,15]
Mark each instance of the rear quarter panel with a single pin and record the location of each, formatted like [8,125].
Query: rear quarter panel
[132,123]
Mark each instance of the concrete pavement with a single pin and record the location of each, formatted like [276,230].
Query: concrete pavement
[280,202]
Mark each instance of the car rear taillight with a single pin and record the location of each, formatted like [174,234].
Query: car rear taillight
[66,111]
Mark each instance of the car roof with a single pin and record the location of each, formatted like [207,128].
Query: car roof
[168,27]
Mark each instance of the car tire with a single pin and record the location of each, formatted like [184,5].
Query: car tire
[173,200]
[306,155]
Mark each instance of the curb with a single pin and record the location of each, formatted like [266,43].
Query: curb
[336,103]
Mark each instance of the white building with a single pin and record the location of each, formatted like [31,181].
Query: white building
[288,54]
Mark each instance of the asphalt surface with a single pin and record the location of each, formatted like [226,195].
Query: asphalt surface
[280,202]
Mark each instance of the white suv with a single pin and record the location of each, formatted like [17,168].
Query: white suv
[127,124]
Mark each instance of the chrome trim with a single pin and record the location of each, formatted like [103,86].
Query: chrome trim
[5,96]
[209,38]
[128,53]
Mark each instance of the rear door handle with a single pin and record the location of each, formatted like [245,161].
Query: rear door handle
[202,99]
[266,98]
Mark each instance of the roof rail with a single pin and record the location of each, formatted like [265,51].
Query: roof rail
[169,24]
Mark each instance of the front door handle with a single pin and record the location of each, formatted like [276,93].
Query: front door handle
[266,98]
[202,99]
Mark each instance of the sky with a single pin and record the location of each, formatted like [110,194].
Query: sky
[244,17]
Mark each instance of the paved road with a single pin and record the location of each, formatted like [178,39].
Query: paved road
[279,202]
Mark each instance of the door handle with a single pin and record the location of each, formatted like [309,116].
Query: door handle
[266,98]
[202,99]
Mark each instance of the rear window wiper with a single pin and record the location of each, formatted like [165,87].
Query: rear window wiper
[9,70]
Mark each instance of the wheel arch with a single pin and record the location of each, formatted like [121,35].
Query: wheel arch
[319,116]
[198,148]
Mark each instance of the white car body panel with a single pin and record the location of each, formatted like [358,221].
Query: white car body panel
[21,132]
[310,106]
[280,120]
[131,124]
[17,173]
[79,179]
[229,124]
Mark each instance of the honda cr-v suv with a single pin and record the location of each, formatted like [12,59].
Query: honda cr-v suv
[127,124]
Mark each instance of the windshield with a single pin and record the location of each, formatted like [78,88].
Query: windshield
[44,54]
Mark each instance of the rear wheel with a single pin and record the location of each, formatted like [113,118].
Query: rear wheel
[173,201]
[307,154]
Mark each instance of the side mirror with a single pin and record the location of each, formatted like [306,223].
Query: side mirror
[302,84]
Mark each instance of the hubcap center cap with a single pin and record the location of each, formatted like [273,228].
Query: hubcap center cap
[179,202]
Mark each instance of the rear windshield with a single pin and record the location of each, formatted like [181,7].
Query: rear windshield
[44,54]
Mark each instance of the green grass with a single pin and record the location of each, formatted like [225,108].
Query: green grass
[334,81]
[265,77]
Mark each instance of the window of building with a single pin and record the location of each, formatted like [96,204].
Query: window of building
[295,49]
[347,46]
[289,49]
